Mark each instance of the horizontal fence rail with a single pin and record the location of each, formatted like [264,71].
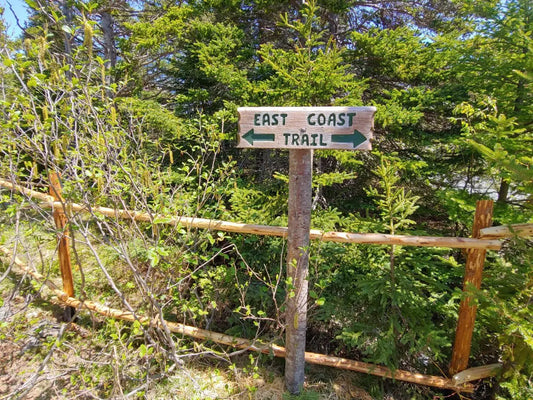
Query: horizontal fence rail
[265,230]
[506,231]
[240,343]
[483,239]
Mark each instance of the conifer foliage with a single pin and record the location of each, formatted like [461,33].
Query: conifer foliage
[134,105]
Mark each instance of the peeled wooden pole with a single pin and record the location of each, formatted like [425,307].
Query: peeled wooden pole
[266,348]
[472,280]
[476,373]
[300,195]
[28,192]
[63,241]
[506,231]
[217,225]
[278,351]
[314,234]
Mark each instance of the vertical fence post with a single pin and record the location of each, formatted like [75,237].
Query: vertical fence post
[300,196]
[63,242]
[472,280]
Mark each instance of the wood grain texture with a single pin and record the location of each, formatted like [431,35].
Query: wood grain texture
[473,374]
[306,127]
[472,281]
[264,230]
[506,231]
[60,221]
[300,197]
[281,231]
[28,192]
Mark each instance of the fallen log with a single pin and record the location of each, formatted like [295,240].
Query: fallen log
[240,343]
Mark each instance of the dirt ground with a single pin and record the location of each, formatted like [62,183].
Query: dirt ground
[42,357]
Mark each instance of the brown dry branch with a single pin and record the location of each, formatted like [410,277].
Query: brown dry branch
[252,345]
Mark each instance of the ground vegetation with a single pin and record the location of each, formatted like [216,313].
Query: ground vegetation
[134,105]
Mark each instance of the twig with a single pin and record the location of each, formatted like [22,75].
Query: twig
[22,391]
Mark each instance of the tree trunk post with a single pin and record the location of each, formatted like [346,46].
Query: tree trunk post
[300,196]
[60,221]
[472,280]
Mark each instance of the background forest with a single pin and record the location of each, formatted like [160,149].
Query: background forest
[134,104]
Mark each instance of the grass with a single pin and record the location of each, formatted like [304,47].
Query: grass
[112,358]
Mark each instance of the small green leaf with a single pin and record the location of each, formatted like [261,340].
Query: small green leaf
[67,29]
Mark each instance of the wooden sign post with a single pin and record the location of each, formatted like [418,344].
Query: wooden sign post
[299,223]
[301,130]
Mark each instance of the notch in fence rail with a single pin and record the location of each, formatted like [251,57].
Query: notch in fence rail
[60,221]
[475,261]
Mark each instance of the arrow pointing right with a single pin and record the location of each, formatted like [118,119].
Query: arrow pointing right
[356,138]
[250,136]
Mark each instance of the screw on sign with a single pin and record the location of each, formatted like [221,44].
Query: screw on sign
[301,130]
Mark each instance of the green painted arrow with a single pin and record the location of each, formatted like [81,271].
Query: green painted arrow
[356,138]
[250,136]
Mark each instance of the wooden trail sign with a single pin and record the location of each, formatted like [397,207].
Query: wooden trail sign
[302,129]
[342,128]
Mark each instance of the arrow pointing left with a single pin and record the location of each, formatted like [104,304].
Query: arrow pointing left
[250,136]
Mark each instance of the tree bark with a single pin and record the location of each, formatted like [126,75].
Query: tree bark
[110,51]
[503,192]
[472,280]
[61,221]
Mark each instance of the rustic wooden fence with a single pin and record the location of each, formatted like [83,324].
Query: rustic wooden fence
[483,238]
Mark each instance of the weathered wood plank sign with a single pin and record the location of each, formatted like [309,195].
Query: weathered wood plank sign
[301,130]
[342,128]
